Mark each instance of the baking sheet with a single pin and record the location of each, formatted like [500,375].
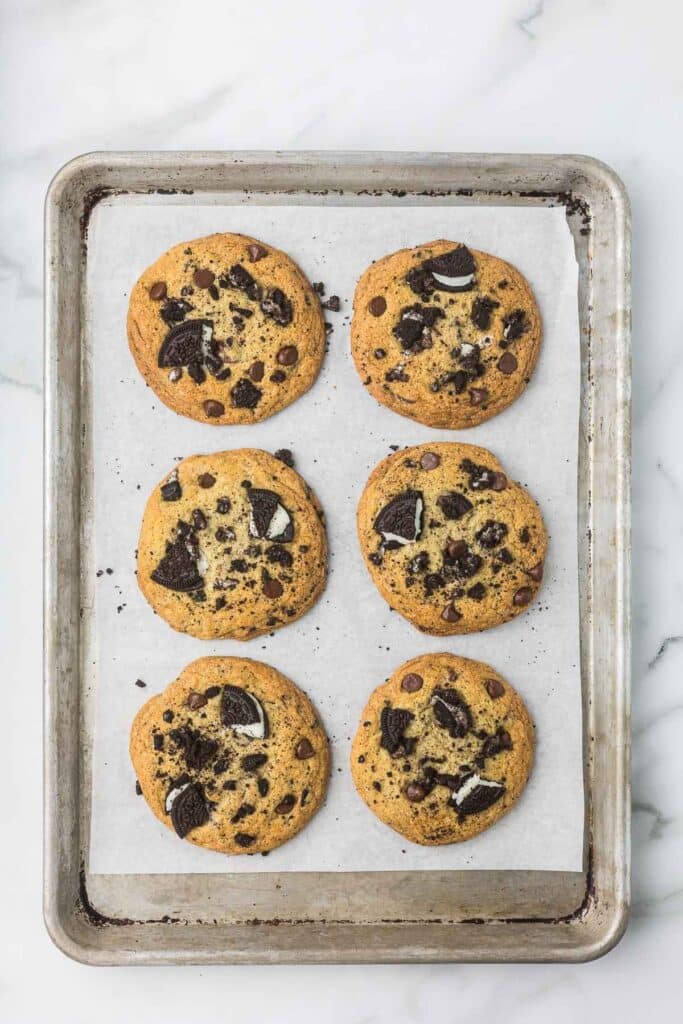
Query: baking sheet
[350,641]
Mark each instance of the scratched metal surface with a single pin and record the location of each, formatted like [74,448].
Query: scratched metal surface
[336,917]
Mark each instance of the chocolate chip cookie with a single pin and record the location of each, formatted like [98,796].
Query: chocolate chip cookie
[232,545]
[443,749]
[450,542]
[231,756]
[226,329]
[444,334]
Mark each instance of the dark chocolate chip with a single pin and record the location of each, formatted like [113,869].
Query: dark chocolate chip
[244,395]
[478,396]
[494,688]
[212,692]
[451,614]
[415,792]
[412,682]
[377,306]
[505,556]
[206,480]
[523,596]
[196,700]
[213,409]
[167,715]
[536,572]
[256,371]
[500,482]
[158,741]
[158,291]
[272,588]
[278,376]
[203,278]
[304,750]
[244,840]
[288,355]
[430,460]
[256,252]
[286,804]
[507,363]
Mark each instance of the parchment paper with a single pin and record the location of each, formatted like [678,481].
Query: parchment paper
[350,642]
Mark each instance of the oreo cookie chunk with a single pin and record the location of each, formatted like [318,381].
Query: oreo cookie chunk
[445,334]
[449,540]
[232,545]
[218,756]
[443,749]
[223,337]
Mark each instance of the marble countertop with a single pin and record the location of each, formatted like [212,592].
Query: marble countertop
[514,75]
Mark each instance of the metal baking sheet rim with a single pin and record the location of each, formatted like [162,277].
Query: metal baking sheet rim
[504,916]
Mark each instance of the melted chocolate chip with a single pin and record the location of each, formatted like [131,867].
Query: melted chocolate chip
[478,396]
[286,804]
[203,278]
[195,700]
[206,480]
[523,596]
[244,395]
[213,409]
[158,291]
[256,252]
[256,371]
[494,688]
[377,306]
[288,355]
[272,588]
[412,682]
[304,750]
[507,363]
[415,792]
[451,614]
[430,460]
[536,572]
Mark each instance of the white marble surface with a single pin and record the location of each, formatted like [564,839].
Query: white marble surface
[598,77]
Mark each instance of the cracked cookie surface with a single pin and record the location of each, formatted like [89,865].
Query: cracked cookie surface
[443,749]
[231,756]
[226,329]
[450,542]
[232,545]
[444,334]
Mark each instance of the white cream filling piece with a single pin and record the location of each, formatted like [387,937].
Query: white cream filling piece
[453,282]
